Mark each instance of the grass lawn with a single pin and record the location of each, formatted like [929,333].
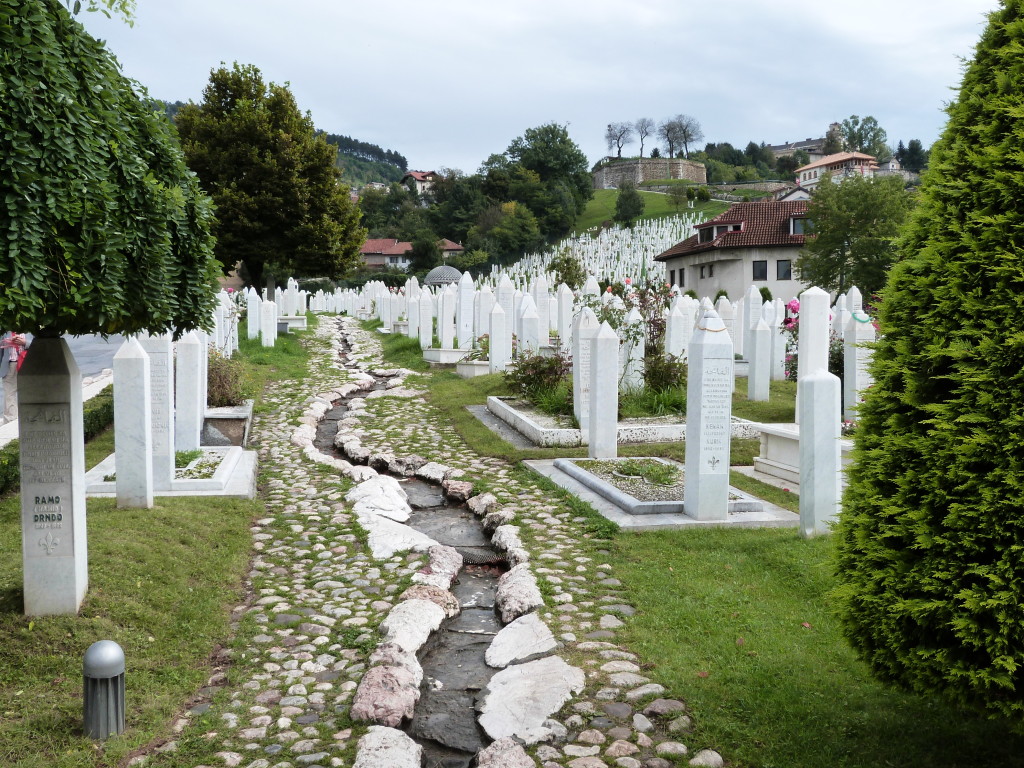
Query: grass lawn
[601,208]
[162,582]
[737,622]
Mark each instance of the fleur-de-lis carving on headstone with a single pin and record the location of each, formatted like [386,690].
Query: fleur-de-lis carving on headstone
[49,543]
[714,461]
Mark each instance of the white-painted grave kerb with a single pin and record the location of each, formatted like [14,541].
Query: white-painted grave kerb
[820,465]
[189,399]
[52,445]
[708,420]
[161,407]
[584,328]
[133,439]
[268,326]
[604,394]
[759,371]
[860,332]
[500,349]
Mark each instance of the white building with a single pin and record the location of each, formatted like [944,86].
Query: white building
[750,244]
[841,165]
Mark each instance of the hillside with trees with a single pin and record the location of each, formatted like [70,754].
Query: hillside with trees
[519,199]
[361,162]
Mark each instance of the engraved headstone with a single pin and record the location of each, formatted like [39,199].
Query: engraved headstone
[604,394]
[584,328]
[708,420]
[53,525]
[161,407]
[189,399]
[820,463]
[133,437]
[426,323]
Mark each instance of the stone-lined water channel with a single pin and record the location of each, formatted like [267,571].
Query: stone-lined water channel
[453,659]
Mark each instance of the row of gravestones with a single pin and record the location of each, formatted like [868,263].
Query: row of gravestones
[159,406]
[710,379]
[459,314]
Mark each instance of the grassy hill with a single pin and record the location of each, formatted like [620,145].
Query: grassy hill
[601,208]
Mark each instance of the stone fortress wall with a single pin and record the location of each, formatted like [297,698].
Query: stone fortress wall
[613,173]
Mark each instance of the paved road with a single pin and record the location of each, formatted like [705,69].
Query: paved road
[94,353]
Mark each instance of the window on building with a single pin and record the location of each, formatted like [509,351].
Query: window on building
[797,225]
[760,270]
[711,270]
[783,269]
[735,227]
[702,270]
[707,234]
[671,277]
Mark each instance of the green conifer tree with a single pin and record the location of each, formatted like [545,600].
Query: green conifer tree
[931,537]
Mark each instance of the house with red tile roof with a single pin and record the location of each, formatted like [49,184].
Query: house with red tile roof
[385,253]
[388,253]
[750,244]
[840,165]
[420,181]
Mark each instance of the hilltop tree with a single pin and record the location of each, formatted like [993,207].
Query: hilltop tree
[105,229]
[916,157]
[680,132]
[617,135]
[644,127]
[865,136]
[932,530]
[833,140]
[854,228]
[272,178]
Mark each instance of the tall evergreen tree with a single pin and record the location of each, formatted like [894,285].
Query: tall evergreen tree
[931,536]
[272,178]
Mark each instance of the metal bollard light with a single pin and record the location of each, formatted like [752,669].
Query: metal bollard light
[103,678]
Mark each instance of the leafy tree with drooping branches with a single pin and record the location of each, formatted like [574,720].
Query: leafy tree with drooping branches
[105,228]
[931,536]
[273,178]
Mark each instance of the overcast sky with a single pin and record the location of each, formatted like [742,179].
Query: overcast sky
[449,82]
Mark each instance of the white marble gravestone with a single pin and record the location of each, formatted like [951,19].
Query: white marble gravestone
[814,337]
[189,396]
[759,353]
[584,328]
[602,440]
[675,338]
[252,313]
[500,349]
[860,332]
[268,324]
[820,465]
[530,340]
[464,312]
[565,301]
[708,420]
[161,407]
[51,439]
[446,316]
[632,351]
[426,323]
[133,434]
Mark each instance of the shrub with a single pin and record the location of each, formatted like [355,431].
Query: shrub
[932,527]
[722,293]
[530,375]
[224,381]
[703,194]
[766,294]
[664,372]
